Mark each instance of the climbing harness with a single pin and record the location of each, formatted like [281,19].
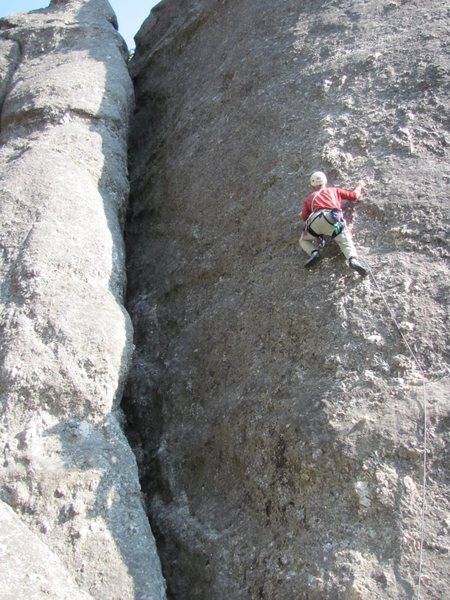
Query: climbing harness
[425,432]
[333,217]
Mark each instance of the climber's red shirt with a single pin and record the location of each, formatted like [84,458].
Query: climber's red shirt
[326,197]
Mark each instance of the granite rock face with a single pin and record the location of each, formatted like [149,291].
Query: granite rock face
[278,414]
[67,470]
[27,566]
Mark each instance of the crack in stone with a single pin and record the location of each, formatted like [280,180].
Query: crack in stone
[13,61]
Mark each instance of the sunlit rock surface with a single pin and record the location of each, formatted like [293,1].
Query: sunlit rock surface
[67,470]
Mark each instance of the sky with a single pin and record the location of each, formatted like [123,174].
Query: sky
[130,13]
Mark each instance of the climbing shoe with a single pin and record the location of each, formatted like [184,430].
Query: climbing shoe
[357,266]
[315,256]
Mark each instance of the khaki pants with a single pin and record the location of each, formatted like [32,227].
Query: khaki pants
[321,226]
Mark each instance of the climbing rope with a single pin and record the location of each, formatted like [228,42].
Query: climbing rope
[425,435]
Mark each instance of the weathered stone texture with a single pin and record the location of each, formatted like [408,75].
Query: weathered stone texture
[66,340]
[28,568]
[278,414]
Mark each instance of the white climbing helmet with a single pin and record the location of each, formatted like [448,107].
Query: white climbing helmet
[318,179]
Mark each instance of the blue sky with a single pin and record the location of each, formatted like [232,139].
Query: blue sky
[130,13]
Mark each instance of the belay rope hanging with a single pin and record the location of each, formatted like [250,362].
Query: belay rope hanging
[425,424]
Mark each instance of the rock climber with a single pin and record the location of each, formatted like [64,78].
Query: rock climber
[322,215]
